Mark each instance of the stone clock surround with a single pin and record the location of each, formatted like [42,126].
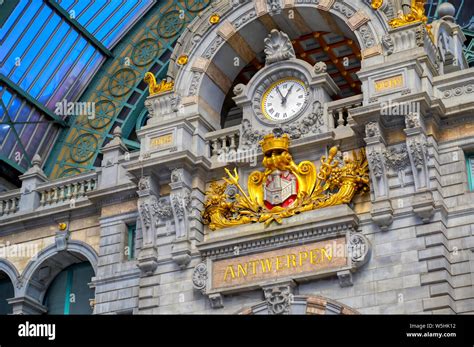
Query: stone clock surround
[209,48]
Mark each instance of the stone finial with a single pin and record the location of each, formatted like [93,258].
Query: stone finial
[117,140]
[36,161]
[447,10]
[117,132]
[278,47]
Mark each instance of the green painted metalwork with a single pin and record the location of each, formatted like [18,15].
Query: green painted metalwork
[470,171]
[131,241]
[119,91]
[64,15]
[67,297]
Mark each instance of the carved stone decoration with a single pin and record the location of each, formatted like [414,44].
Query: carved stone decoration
[148,256]
[320,67]
[162,210]
[216,301]
[312,123]
[238,89]
[176,175]
[181,203]
[420,34]
[376,164]
[359,249]
[274,6]
[61,239]
[388,44]
[200,276]
[417,150]
[396,159]
[278,299]
[372,129]
[249,137]
[345,278]
[144,183]
[278,47]
[413,120]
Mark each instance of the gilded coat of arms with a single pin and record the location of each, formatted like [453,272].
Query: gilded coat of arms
[285,188]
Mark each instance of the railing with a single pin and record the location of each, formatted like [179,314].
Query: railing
[223,141]
[9,202]
[67,190]
[338,110]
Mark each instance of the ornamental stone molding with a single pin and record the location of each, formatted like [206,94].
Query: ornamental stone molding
[200,275]
[279,298]
[278,47]
[365,23]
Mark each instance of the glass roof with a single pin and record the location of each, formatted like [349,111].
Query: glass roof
[51,50]
[49,54]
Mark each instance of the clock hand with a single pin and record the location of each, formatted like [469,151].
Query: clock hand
[279,92]
[288,93]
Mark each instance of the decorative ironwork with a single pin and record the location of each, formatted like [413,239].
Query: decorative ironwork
[83,148]
[72,171]
[104,113]
[170,24]
[145,52]
[295,187]
[136,49]
[122,82]
[196,5]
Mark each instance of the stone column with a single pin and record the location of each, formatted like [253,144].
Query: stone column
[113,173]
[382,212]
[147,208]
[180,197]
[417,145]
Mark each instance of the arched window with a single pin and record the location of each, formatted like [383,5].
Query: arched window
[6,292]
[69,292]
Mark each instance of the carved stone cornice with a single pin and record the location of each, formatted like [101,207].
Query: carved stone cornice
[314,225]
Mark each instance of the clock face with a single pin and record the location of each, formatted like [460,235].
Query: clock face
[284,99]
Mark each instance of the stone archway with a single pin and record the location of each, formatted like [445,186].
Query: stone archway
[302,304]
[41,271]
[8,283]
[209,48]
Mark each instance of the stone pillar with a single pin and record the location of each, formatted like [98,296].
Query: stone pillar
[417,145]
[30,198]
[382,212]
[180,197]
[147,208]
[113,173]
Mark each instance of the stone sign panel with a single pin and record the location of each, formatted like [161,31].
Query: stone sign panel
[315,258]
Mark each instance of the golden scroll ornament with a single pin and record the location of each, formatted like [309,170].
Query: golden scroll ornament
[285,188]
[155,88]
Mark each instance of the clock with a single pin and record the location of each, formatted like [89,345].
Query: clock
[284,99]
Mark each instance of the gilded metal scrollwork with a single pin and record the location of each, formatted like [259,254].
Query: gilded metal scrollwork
[285,188]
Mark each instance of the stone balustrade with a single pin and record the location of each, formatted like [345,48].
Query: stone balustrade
[51,193]
[224,140]
[9,202]
[67,190]
[338,110]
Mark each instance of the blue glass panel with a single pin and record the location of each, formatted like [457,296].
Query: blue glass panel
[14,37]
[6,28]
